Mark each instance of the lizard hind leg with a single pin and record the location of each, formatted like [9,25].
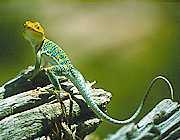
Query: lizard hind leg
[56,70]
[51,73]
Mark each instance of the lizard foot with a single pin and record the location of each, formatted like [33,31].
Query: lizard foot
[39,91]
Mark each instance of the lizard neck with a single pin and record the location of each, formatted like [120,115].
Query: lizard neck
[36,44]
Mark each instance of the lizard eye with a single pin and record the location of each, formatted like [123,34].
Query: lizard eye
[39,27]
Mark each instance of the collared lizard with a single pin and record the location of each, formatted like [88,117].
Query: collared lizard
[52,53]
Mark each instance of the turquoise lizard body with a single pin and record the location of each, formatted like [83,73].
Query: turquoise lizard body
[52,53]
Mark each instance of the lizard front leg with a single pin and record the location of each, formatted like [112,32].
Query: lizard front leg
[30,75]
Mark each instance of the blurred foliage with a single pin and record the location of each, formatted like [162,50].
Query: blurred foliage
[122,46]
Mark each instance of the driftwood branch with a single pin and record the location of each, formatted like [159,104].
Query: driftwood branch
[30,112]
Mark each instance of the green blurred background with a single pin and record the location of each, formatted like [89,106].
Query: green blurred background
[121,45]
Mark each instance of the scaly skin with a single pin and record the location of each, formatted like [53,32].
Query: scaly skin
[52,53]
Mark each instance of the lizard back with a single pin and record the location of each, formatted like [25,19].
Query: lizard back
[52,50]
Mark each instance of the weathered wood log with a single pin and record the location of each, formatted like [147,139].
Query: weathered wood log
[163,122]
[30,112]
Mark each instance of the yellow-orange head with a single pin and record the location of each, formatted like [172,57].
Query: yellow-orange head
[33,31]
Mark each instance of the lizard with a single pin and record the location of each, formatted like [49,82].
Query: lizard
[61,66]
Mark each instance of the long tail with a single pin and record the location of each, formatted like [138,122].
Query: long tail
[145,97]
[79,82]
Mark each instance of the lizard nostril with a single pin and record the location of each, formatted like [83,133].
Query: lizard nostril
[24,24]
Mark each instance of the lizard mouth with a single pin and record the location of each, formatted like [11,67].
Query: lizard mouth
[24,32]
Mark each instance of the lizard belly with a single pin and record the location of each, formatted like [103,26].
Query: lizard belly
[49,59]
